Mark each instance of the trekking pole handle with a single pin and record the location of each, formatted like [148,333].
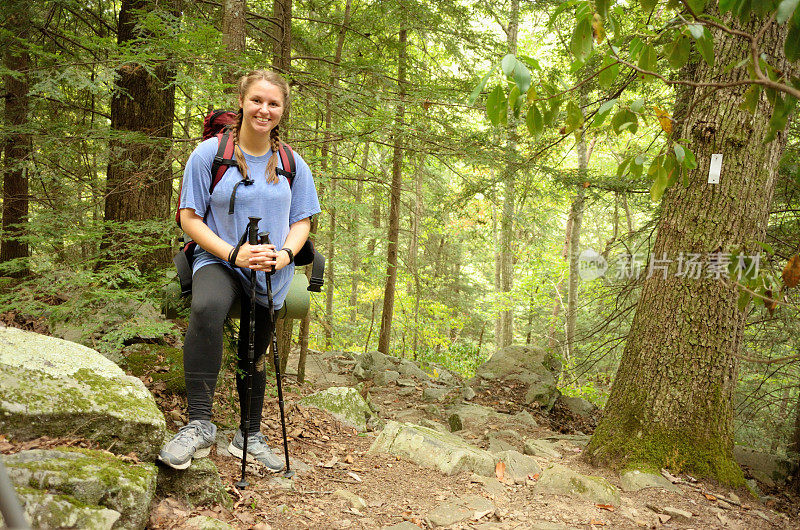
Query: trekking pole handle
[263,239]
[252,230]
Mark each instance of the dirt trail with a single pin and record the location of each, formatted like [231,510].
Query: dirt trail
[331,458]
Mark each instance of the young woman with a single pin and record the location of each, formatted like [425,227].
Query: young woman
[221,277]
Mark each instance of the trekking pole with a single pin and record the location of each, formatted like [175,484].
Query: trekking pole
[12,512]
[264,239]
[252,238]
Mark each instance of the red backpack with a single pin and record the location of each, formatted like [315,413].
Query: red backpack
[217,123]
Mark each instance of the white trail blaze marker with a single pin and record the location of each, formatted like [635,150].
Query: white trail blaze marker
[715,168]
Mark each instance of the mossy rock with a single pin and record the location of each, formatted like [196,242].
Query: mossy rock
[57,388]
[343,403]
[198,485]
[140,359]
[561,480]
[46,510]
[94,478]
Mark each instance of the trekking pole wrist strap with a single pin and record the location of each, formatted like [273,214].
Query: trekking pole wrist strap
[232,255]
[235,250]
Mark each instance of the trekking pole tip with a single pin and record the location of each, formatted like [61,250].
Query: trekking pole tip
[242,484]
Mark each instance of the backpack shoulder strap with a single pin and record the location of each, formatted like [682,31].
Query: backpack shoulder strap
[287,161]
[223,159]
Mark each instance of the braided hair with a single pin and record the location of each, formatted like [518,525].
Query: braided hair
[274,137]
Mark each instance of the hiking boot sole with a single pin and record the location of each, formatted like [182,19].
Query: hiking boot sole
[235,451]
[200,453]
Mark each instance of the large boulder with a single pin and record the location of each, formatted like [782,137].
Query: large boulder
[343,403]
[529,365]
[433,449]
[72,480]
[53,387]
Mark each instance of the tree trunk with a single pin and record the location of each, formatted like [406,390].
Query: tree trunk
[329,146]
[234,26]
[17,147]
[282,55]
[576,219]
[671,402]
[506,327]
[139,178]
[355,256]
[394,204]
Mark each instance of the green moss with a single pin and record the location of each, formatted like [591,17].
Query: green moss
[141,360]
[677,450]
[90,463]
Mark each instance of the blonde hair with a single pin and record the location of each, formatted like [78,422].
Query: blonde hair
[274,137]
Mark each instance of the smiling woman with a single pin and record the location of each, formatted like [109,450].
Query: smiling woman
[222,268]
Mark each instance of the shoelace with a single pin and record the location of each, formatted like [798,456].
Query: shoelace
[184,434]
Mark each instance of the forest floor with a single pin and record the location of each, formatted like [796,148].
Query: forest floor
[330,457]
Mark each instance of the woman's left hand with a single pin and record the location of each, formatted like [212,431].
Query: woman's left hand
[265,257]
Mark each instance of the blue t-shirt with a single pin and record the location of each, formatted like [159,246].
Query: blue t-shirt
[277,205]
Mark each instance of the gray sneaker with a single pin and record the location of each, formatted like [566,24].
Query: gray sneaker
[257,448]
[193,440]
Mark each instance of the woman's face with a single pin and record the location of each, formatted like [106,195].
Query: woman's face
[262,107]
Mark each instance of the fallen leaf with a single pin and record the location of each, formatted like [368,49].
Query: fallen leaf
[349,459]
[595,522]
[709,497]
[354,476]
[791,272]
[500,471]
[330,463]
[608,507]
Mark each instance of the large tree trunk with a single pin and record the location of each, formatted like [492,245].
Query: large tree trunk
[17,147]
[671,402]
[394,204]
[139,178]
[506,316]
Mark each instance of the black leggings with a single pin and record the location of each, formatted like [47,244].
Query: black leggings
[215,289]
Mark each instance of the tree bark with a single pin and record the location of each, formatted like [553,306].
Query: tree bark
[234,25]
[394,204]
[506,318]
[282,55]
[139,177]
[17,147]
[671,401]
